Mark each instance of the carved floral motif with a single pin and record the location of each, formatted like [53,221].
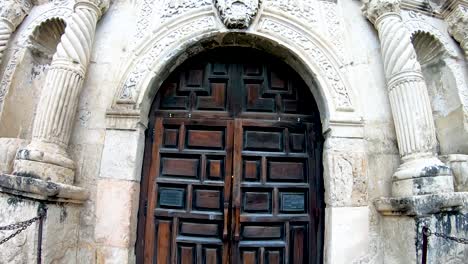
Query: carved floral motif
[143,66]
[341,95]
[237,13]
[301,9]
[373,9]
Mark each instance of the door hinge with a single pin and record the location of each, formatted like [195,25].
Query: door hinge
[145,207]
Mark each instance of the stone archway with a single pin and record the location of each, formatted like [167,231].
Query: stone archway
[149,64]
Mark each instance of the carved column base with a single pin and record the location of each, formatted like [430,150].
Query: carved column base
[21,198]
[403,219]
[422,176]
[45,161]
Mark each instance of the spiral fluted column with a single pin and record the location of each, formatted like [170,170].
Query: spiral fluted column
[421,172]
[457,22]
[12,13]
[46,157]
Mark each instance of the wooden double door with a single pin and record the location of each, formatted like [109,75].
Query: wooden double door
[232,166]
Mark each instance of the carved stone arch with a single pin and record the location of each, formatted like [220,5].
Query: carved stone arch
[44,29]
[152,61]
[446,84]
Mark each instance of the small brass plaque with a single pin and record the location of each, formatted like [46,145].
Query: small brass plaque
[292,202]
[171,197]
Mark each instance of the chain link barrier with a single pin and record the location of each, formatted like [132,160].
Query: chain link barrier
[428,233]
[20,226]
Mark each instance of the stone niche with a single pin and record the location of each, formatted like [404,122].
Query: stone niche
[32,60]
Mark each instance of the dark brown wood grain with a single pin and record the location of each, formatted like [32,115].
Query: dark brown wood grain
[233,174]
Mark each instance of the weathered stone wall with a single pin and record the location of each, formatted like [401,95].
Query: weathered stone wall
[138,43]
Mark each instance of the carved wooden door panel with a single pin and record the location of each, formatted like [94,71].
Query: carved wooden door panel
[191,192]
[233,169]
[274,195]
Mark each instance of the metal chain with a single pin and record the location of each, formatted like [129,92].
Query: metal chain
[428,233]
[20,227]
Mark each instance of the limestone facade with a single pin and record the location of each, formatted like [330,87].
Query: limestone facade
[78,77]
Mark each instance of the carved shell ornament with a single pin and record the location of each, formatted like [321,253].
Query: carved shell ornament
[237,13]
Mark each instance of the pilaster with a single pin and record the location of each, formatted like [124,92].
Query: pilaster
[46,156]
[421,172]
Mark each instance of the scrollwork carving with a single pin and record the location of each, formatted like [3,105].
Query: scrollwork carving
[458,26]
[237,13]
[341,94]
[301,9]
[143,66]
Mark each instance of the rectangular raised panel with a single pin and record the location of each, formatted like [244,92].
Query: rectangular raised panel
[205,139]
[298,244]
[273,256]
[257,202]
[219,68]
[194,78]
[249,257]
[297,142]
[180,167]
[171,137]
[163,240]
[216,100]
[207,199]
[263,141]
[276,82]
[252,70]
[251,170]
[262,232]
[199,229]
[286,171]
[255,102]
[292,202]
[215,169]
[171,197]
[211,255]
[187,254]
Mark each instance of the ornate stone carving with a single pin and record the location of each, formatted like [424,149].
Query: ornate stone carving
[421,171]
[300,9]
[237,13]
[458,26]
[341,95]
[46,156]
[12,12]
[143,66]
[334,25]
[373,9]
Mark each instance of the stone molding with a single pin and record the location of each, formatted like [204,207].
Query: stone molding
[237,14]
[12,13]
[46,157]
[457,22]
[42,190]
[146,61]
[422,205]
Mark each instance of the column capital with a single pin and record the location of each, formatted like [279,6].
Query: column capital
[457,21]
[374,9]
[100,6]
[13,11]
